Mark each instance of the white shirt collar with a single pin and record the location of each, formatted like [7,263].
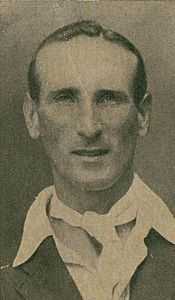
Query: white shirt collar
[121,212]
[139,199]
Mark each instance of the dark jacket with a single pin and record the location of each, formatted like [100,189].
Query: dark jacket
[45,277]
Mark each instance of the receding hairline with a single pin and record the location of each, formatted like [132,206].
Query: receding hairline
[75,43]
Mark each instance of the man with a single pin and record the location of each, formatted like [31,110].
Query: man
[99,232]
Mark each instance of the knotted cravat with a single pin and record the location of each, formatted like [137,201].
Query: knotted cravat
[113,259]
[103,229]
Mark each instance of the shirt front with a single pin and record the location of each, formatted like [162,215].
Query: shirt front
[139,202]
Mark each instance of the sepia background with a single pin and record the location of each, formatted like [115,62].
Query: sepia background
[24,169]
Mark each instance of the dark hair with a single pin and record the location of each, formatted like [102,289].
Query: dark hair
[90,29]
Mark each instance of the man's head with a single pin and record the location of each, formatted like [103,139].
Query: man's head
[88,102]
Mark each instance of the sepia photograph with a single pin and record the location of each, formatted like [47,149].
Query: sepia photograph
[87,141]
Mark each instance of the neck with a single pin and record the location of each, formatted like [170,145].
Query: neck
[100,202]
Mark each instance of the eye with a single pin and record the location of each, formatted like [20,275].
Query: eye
[65,96]
[111,97]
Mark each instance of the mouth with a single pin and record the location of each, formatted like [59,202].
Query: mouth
[91,152]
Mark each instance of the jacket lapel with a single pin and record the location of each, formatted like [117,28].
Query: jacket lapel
[45,276]
[155,277]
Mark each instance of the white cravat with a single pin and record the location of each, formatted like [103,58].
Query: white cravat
[112,261]
[111,255]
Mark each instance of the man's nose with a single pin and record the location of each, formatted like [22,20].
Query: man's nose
[89,126]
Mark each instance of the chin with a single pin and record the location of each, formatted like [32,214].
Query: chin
[95,184]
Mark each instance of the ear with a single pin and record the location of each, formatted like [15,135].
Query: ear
[144,114]
[31,116]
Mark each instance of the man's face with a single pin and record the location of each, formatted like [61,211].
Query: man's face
[87,117]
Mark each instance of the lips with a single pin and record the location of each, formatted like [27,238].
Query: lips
[91,152]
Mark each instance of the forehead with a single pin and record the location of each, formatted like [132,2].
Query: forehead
[86,61]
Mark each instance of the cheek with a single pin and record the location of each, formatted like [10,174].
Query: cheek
[124,128]
[129,129]
[57,117]
[56,130]
[50,129]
